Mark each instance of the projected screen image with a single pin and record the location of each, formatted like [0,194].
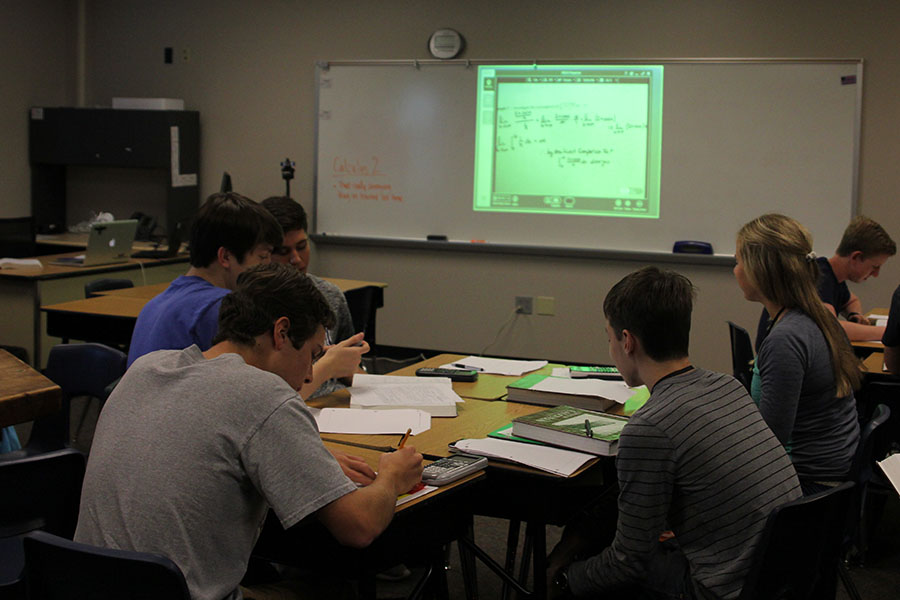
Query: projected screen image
[580,140]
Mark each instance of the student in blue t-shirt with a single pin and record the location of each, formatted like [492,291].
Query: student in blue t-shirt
[230,234]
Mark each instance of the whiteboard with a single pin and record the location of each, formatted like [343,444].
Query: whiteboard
[395,155]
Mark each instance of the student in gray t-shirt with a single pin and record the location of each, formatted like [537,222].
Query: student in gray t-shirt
[193,448]
[806,370]
[346,347]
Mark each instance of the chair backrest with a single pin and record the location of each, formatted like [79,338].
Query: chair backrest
[102,285]
[797,556]
[741,354]
[80,370]
[56,568]
[363,303]
[36,492]
[40,491]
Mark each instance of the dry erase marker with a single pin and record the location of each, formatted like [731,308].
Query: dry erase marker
[405,437]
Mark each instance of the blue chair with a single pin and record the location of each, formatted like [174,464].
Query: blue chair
[800,549]
[39,491]
[80,370]
[57,568]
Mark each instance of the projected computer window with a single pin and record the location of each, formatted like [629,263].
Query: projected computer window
[582,140]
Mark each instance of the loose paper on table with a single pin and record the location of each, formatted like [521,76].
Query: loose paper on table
[497,366]
[354,420]
[552,460]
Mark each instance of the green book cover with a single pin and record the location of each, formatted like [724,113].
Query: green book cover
[570,420]
[529,380]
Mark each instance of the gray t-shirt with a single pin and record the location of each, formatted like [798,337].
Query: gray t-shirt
[793,384]
[189,454]
[342,329]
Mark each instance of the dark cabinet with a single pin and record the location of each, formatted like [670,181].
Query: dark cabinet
[103,137]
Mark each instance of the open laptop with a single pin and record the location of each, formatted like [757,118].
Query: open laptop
[172,250]
[108,243]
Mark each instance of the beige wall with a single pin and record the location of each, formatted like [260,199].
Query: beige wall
[250,74]
[37,43]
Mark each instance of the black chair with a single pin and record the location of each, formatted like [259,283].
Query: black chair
[39,491]
[762,329]
[17,238]
[102,285]
[57,568]
[80,370]
[798,555]
[741,354]
[363,303]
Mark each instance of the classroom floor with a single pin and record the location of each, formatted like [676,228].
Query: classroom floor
[879,579]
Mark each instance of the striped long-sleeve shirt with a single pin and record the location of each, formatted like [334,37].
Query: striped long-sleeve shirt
[697,459]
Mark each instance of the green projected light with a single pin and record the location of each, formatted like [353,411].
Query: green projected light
[579,139]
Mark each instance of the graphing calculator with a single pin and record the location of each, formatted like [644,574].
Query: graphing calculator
[594,372]
[449,469]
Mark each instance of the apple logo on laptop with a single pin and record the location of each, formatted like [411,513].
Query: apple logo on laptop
[112,243]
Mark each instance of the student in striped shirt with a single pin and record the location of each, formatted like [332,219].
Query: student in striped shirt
[696,461]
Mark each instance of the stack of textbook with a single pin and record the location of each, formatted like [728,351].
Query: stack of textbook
[546,390]
[574,428]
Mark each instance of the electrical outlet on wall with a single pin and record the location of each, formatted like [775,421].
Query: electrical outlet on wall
[524,305]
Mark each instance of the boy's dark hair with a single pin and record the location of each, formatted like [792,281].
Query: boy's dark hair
[288,212]
[868,237]
[234,222]
[264,294]
[655,306]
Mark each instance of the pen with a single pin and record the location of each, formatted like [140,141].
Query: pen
[587,428]
[462,366]
[405,437]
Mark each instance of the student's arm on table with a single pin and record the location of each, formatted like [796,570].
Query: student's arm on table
[340,360]
[354,467]
[892,358]
[856,326]
[357,518]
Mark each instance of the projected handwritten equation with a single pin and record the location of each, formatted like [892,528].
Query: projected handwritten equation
[362,179]
[587,140]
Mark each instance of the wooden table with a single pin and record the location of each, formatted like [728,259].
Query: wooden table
[25,394]
[110,317]
[420,529]
[513,492]
[151,291]
[23,291]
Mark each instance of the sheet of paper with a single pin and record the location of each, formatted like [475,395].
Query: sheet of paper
[404,498]
[387,390]
[355,420]
[877,316]
[891,468]
[553,460]
[497,366]
[614,390]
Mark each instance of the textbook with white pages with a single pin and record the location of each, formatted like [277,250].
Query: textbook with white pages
[553,460]
[434,395]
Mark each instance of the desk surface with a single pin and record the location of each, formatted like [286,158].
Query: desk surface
[149,291]
[49,271]
[24,393]
[128,302]
[475,419]
[372,457]
[81,239]
[875,344]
